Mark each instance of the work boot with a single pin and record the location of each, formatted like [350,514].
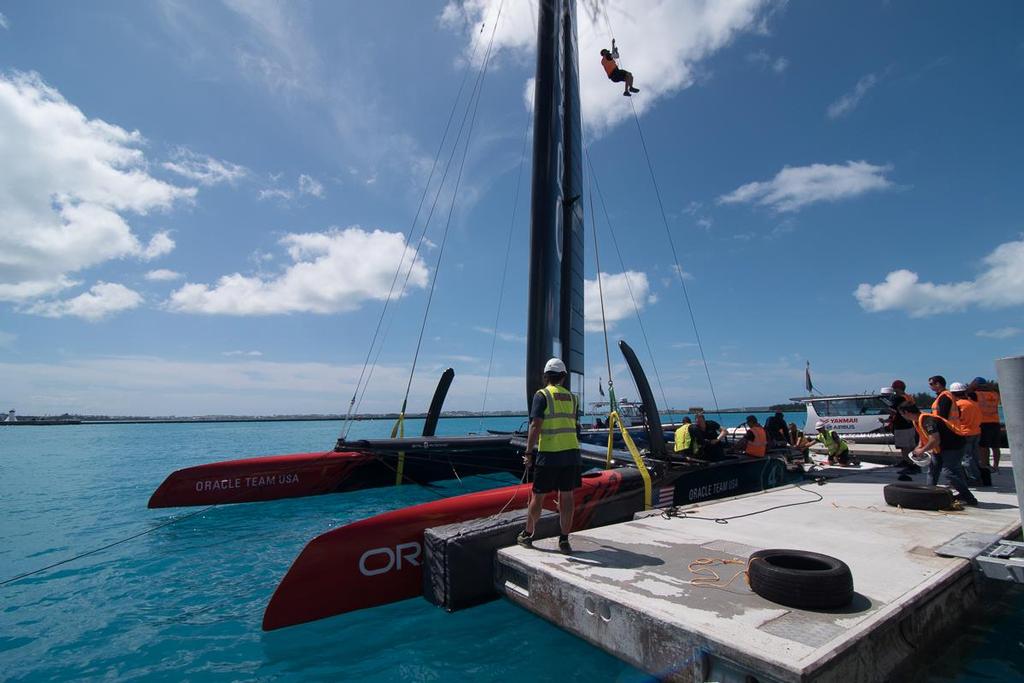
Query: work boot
[563,544]
[524,539]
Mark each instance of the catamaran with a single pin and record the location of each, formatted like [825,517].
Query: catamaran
[379,559]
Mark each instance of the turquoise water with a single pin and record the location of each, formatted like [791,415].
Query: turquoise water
[185,601]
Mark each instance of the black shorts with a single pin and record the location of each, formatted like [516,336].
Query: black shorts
[548,478]
[618,75]
[991,435]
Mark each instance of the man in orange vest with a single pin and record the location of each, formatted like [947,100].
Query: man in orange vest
[755,441]
[991,435]
[944,404]
[970,418]
[946,447]
[615,74]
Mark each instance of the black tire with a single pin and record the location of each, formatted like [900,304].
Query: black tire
[918,496]
[801,579]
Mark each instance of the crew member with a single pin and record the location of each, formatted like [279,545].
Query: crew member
[777,430]
[553,449]
[838,450]
[944,404]
[904,434]
[946,446]
[991,436]
[970,419]
[688,439]
[755,441]
[615,74]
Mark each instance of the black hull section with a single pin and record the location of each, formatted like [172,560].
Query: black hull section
[438,458]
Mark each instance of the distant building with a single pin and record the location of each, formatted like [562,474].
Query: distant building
[10,417]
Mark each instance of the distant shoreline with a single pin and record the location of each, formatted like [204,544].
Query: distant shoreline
[32,421]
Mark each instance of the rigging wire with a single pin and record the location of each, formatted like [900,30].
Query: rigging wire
[675,257]
[451,208]
[346,424]
[504,268]
[600,292]
[478,84]
[629,287]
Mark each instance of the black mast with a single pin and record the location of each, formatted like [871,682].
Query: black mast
[555,315]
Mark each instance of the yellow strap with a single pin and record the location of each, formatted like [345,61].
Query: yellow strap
[614,419]
[399,429]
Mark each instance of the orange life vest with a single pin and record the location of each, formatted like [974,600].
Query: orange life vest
[953,420]
[759,446]
[970,416]
[609,65]
[925,435]
[988,402]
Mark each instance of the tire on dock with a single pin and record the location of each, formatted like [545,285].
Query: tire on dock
[801,579]
[918,496]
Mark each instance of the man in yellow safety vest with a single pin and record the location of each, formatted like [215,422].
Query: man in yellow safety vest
[553,449]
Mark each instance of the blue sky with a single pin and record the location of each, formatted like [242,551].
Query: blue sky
[203,203]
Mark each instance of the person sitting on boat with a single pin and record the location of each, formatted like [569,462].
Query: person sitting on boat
[688,439]
[615,74]
[837,449]
[777,430]
[755,441]
[799,441]
[939,437]
[553,450]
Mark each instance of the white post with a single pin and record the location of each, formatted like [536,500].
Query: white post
[1010,373]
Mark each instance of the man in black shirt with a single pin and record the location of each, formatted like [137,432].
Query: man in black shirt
[947,448]
[904,434]
[777,428]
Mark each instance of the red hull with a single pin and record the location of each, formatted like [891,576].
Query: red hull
[257,479]
[378,560]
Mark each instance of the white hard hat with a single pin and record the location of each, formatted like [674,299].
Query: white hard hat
[555,365]
[885,391]
[820,424]
[957,387]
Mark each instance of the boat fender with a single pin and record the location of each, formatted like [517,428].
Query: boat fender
[801,579]
[918,496]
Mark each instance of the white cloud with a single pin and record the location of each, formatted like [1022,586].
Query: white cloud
[249,354]
[765,61]
[159,245]
[661,43]
[102,301]
[162,275]
[1000,285]
[233,386]
[793,188]
[331,271]
[275,193]
[62,203]
[620,291]
[999,333]
[309,185]
[849,101]
[204,169]
[4,23]
[504,336]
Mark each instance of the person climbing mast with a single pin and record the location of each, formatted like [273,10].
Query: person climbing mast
[615,74]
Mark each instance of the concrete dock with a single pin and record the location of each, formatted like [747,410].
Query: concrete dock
[629,588]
